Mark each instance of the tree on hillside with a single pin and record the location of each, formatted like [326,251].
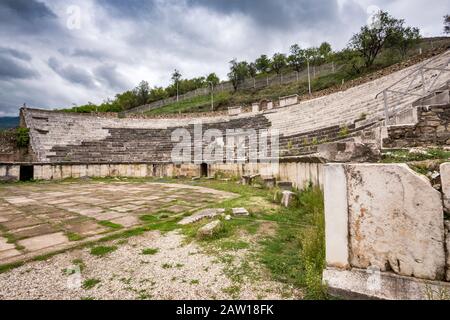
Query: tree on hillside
[158,93]
[238,72]
[176,76]
[313,55]
[262,64]
[351,61]
[213,78]
[126,100]
[296,59]
[403,39]
[372,38]
[142,93]
[325,51]
[447,24]
[279,62]
[252,71]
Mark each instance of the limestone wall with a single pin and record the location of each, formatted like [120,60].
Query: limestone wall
[9,172]
[9,152]
[132,170]
[300,173]
[387,222]
[432,129]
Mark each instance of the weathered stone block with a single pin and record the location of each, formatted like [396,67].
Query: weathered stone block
[240,211]
[209,229]
[336,216]
[287,198]
[284,185]
[395,221]
[445,182]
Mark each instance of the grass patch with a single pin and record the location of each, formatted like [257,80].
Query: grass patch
[233,291]
[110,224]
[72,236]
[80,263]
[233,245]
[148,218]
[296,253]
[419,155]
[149,251]
[102,250]
[8,267]
[90,283]
[166,266]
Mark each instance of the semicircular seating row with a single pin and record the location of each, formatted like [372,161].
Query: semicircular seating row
[69,137]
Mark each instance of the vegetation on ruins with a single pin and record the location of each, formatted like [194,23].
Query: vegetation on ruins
[238,72]
[22,137]
[402,156]
[385,31]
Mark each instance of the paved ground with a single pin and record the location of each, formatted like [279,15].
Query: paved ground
[43,217]
[174,270]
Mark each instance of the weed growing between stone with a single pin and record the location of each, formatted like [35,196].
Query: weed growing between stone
[295,252]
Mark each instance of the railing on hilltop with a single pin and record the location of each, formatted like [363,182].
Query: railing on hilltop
[249,83]
[420,83]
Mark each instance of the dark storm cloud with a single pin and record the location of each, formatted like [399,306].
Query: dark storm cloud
[108,75]
[129,8]
[84,53]
[7,109]
[71,73]
[26,15]
[13,69]
[15,53]
[279,13]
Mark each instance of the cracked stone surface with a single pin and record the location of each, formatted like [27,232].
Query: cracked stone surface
[202,214]
[45,215]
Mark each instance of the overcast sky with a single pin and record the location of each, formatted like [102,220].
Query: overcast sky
[54,54]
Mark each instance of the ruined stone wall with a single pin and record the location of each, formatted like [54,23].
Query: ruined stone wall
[131,170]
[432,129]
[9,152]
[300,172]
[9,172]
[385,223]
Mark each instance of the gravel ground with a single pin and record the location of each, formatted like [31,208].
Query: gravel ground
[177,271]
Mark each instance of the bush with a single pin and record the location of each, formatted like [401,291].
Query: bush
[22,137]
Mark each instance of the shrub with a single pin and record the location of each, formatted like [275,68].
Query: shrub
[343,132]
[22,137]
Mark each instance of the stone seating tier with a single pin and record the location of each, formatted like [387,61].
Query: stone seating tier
[68,137]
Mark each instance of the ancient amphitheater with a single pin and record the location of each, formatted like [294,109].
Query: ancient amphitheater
[386,233]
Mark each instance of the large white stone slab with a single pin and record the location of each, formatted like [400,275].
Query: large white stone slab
[44,241]
[395,220]
[336,216]
[445,181]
